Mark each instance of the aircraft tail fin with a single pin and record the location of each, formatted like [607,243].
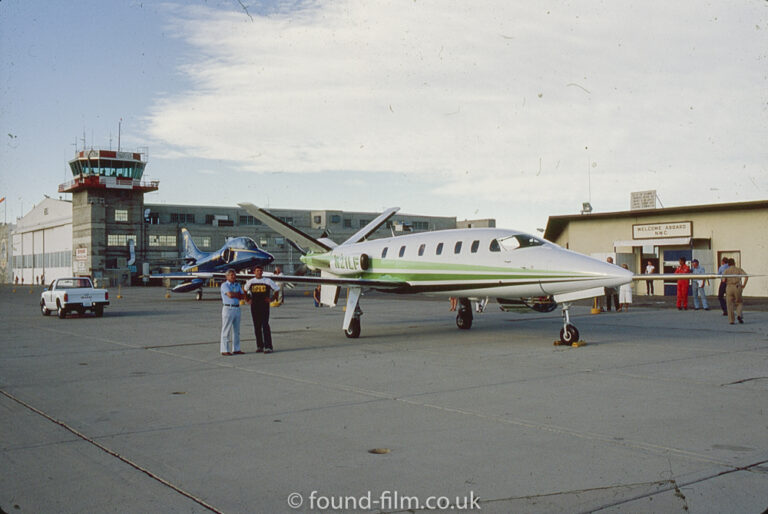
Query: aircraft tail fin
[191,251]
[371,227]
[297,236]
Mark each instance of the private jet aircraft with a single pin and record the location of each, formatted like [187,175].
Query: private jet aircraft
[239,253]
[514,267]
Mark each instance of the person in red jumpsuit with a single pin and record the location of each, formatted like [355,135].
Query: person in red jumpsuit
[682,286]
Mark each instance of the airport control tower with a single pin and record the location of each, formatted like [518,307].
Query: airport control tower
[108,230]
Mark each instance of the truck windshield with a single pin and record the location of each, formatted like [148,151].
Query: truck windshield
[73,283]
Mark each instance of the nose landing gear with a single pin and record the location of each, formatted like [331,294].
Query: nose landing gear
[569,334]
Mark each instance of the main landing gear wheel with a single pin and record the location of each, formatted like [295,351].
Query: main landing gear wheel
[353,332]
[199,295]
[569,334]
[464,316]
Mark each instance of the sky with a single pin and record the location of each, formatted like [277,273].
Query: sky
[515,111]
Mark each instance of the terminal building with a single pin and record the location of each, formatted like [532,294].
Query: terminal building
[664,235]
[107,232]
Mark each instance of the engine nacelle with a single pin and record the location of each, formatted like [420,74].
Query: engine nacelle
[341,264]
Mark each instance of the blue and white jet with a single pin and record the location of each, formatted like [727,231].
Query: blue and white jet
[239,253]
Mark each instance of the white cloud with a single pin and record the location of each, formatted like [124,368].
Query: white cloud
[493,99]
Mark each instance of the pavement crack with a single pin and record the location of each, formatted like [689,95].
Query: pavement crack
[743,380]
[113,453]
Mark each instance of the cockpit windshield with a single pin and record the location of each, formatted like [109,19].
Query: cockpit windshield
[242,243]
[520,241]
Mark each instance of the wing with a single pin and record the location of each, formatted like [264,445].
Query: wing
[341,281]
[684,276]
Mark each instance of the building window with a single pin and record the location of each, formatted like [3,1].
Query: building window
[286,219]
[347,223]
[162,240]
[475,246]
[317,219]
[439,249]
[121,214]
[364,223]
[335,218]
[181,217]
[420,225]
[120,239]
[244,220]
[202,241]
[457,247]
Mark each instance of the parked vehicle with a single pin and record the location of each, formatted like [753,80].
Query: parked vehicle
[73,294]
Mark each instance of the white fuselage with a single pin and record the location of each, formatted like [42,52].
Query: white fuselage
[471,263]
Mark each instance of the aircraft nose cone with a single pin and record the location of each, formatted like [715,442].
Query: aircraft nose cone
[617,275]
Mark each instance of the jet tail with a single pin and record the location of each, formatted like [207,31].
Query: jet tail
[297,236]
[191,251]
[371,227]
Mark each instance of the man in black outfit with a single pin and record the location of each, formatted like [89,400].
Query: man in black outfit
[260,293]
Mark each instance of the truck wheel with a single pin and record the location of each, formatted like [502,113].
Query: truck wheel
[98,311]
[43,310]
[62,313]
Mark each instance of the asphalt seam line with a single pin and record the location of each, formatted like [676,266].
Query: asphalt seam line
[103,448]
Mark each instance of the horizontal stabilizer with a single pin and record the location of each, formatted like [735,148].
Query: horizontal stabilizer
[371,227]
[297,236]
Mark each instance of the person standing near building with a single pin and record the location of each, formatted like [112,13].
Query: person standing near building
[698,287]
[721,289]
[231,294]
[649,269]
[610,294]
[682,286]
[625,293]
[280,286]
[261,292]
[733,291]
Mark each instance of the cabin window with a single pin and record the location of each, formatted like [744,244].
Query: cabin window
[439,249]
[494,246]
[402,250]
[421,249]
[475,246]
[457,247]
[384,252]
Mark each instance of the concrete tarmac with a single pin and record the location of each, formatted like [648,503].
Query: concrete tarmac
[662,410]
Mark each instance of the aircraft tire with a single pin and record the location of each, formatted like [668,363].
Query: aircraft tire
[353,332]
[569,334]
[464,322]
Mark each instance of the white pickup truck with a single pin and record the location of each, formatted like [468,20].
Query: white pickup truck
[73,294]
